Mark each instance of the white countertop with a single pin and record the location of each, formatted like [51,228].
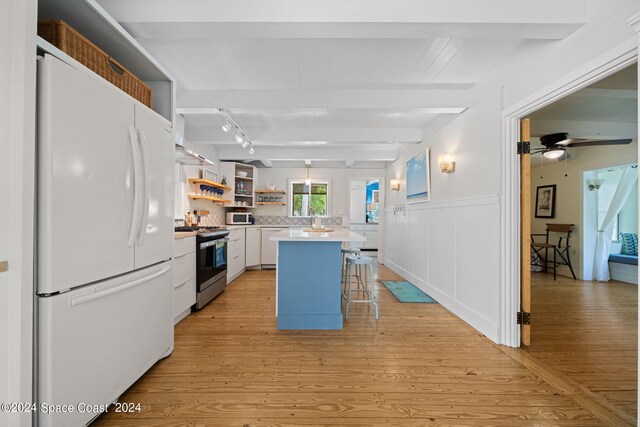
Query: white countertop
[297,234]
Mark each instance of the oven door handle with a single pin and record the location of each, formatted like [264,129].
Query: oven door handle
[213,242]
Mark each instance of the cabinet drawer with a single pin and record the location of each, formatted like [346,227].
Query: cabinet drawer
[371,227]
[235,265]
[236,234]
[184,246]
[184,296]
[184,268]
[236,247]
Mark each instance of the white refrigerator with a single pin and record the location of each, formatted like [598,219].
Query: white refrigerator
[104,241]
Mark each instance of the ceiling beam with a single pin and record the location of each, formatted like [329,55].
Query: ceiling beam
[435,101]
[540,19]
[308,136]
[310,154]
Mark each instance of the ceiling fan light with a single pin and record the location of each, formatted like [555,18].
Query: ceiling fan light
[553,153]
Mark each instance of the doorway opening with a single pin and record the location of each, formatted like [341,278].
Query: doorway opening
[583,330]
[366,207]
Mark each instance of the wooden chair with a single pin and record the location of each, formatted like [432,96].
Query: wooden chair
[561,249]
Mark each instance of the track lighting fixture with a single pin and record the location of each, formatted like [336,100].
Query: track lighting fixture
[240,137]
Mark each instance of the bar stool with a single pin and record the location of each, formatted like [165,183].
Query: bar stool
[368,293]
[346,252]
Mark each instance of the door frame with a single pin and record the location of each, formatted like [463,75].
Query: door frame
[382,180]
[19,84]
[616,59]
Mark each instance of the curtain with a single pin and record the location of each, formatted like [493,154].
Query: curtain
[603,243]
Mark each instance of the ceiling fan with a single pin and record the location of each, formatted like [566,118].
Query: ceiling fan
[556,144]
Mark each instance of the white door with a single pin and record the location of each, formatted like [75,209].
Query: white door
[85,177]
[154,242]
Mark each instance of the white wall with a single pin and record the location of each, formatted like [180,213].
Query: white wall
[17,185]
[570,193]
[339,197]
[463,220]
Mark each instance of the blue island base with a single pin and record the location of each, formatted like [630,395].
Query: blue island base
[309,290]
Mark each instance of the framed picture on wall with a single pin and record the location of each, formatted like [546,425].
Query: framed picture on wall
[546,201]
[418,182]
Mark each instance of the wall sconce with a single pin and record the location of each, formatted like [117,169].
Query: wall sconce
[395,185]
[446,163]
[594,184]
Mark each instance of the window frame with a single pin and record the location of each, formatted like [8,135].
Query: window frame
[314,181]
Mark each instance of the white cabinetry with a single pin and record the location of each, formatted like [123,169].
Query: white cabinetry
[371,234]
[357,201]
[241,178]
[358,229]
[184,277]
[253,247]
[269,248]
[235,254]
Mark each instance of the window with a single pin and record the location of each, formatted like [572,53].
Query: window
[309,200]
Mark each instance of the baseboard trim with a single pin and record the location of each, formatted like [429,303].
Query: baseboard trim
[469,316]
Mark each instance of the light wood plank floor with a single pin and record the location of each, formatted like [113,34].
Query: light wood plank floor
[417,366]
[588,332]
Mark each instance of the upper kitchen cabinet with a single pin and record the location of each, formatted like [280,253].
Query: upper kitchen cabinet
[242,179]
[93,22]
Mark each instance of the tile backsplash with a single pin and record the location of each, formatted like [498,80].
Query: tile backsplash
[287,220]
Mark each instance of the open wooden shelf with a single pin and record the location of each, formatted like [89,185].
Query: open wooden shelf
[211,199]
[271,203]
[210,183]
[244,195]
[271,191]
[244,178]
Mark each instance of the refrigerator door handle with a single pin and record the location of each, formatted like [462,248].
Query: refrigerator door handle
[133,139]
[101,294]
[144,220]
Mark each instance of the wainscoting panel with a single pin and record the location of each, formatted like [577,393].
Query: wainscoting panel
[450,250]
[441,224]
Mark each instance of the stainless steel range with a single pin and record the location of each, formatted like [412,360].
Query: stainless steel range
[211,262]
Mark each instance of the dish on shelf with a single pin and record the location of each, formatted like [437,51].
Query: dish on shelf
[243,174]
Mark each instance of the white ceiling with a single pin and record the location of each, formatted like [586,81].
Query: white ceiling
[607,109]
[327,79]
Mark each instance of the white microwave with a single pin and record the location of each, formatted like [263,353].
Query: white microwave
[238,218]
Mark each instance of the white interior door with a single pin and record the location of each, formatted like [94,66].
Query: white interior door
[85,188]
[155,236]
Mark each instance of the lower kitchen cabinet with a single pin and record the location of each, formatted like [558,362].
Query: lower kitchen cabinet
[253,247]
[184,277]
[269,248]
[236,253]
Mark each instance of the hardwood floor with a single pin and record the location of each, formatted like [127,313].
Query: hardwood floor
[417,366]
[588,332]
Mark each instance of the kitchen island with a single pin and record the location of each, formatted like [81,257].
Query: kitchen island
[308,291]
